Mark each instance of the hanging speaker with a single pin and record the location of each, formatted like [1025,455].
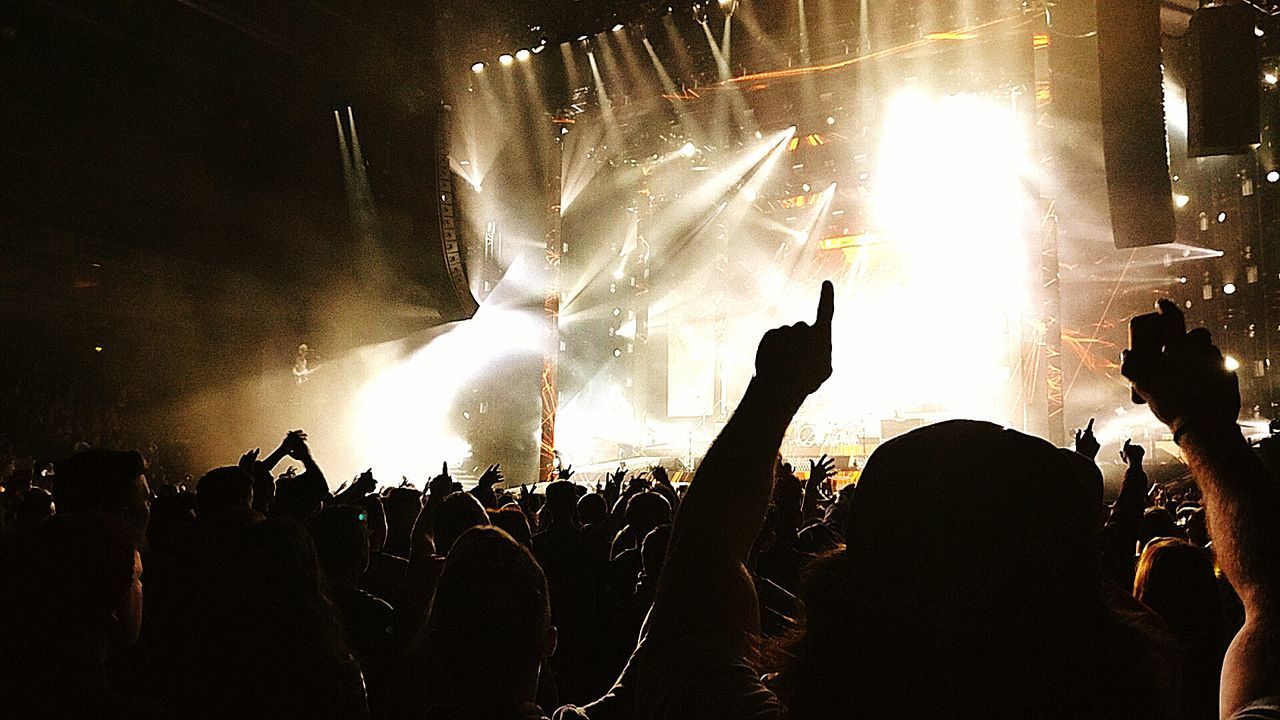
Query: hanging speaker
[1222,82]
[1133,127]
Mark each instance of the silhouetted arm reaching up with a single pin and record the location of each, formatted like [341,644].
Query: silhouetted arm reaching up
[1189,388]
[706,592]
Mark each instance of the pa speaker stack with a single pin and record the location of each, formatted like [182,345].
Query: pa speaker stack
[1222,81]
[1133,126]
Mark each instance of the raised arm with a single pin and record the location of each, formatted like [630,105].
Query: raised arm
[1132,502]
[1191,391]
[705,591]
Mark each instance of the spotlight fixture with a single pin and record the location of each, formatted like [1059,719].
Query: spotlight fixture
[688,150]
[618,353]
[728,7]
[831,120]
[506,59]
[1230,363]
[1181,200]
[522,54]
[1222,217]
[1273,176]
[700,13]
[1270,78]
[1229,289]
[617,27]
[477,67]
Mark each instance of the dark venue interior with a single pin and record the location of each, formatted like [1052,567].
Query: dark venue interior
[612,359]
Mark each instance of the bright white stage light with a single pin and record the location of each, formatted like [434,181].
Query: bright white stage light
[831,120]
[1273,176]
[952,271]
[617,27]
[1222,217]
[1230,363]
[404,420]
[750,194]
[506,59]
[1270,78]
[477,67]
[688,150]
[1181,200]
[522,54]
[1229,289]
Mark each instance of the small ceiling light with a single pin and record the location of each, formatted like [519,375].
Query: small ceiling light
[522,54]
[618,353]
[805,187]
[831,120]
[688,150]
[506,59]
[1273,176]
[477,67]
[1222,217]
[1229,289]
[617,27]
[1230,363]
[1182,280]
[1258,31]
[1270,78]
[1181,200]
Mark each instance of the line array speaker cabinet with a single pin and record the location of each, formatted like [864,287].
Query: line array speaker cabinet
[1223,82]
[1133,126]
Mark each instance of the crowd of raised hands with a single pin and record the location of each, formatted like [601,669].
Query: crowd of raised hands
[972,572]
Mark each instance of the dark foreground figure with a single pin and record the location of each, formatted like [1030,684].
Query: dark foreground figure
[973,573]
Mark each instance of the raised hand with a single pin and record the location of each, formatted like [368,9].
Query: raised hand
[1184,380]
[295,443]
[1132,454]
[821,471]
[566,472]
[442,484]
[795,360]
[365,483]
[1086,444]
[248,460]
[660,475]
[491,477]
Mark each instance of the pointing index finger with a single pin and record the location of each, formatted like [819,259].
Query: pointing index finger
[826,305]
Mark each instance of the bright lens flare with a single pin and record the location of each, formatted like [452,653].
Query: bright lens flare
[950,282]
[404,417]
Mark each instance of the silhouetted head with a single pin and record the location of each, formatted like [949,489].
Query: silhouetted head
[224,491]
[1176,580]
[646,511]
[592,509]
[299,497]
[375,520]
[104,481]
[63,582]
[511,520]
[36,505]
[653,551]
[402,506]
[1086,472]
[562,501]
[970,574]
[342,544]
[489,626]
[459,512]
[1156,523]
